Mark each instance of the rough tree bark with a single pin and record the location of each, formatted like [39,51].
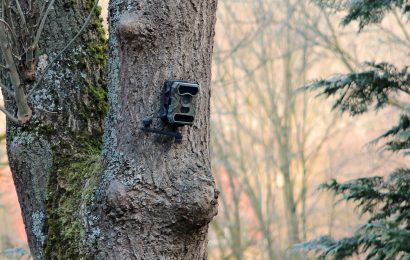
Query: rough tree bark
[141,196]
[157,196]
[51,155]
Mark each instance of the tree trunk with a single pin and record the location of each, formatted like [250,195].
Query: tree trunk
[146,197]
[157,196]
[51,154]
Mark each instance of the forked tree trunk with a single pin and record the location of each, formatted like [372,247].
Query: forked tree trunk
[146,197]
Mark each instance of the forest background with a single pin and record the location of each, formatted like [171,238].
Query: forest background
[272,144]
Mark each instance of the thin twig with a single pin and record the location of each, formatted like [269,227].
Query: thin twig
[18,57]
[8,25]
[9,91]
[21,13]
[41,26]
[9,28]
[9,115]
[403,29]
[43,7]
[404,90]
[51,63]
[23,110]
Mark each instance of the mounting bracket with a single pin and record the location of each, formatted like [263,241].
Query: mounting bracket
[147,128]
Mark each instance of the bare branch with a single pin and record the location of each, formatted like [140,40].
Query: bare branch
[9,115]
[401,26]
[43,7]
[41,26]
[9,28]
[9,91]
[21,13]
[23,110]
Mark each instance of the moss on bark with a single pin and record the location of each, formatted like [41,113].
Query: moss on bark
[100,98]
[77,165]
[74,179]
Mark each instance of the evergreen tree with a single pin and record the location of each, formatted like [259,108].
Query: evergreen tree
[386,234]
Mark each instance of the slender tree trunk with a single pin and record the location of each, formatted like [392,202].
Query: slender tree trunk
[146,197]
[286,146]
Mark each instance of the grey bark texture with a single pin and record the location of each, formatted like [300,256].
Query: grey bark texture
[156,197]
[145,197]
[66,126]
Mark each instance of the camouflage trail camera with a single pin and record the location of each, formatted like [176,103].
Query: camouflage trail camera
[177,107]
[178,102]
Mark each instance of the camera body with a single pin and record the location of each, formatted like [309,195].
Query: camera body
[178,102]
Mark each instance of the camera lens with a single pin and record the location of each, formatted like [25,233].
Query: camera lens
[186,100]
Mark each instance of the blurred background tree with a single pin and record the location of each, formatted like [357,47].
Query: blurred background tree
[272,144]
[386,233]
